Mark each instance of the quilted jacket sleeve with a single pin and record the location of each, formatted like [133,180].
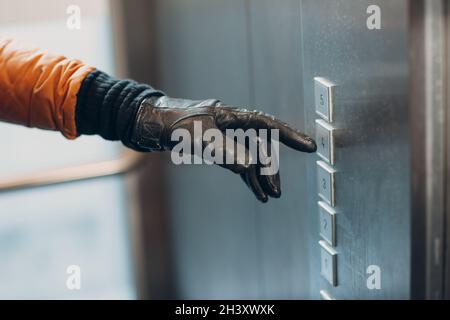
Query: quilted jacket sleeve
[39,89]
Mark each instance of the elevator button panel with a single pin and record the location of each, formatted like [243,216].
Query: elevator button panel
[323,95]
[327,222]
[326,176]
[325,141]
[326,183]
[328,263]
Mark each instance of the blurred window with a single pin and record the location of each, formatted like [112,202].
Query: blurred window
[43,231]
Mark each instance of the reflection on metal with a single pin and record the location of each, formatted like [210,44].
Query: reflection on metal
[126,162]
[428,109]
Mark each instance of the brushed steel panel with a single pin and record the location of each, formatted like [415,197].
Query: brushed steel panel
[371,111]
[202,53]
[276,77]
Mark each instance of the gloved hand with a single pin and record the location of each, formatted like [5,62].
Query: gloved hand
[158,117]
[145,119]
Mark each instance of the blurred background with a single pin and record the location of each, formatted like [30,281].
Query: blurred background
[45,230]
[140,227]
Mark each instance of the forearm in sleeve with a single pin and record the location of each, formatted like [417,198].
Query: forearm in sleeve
[39,89]
[48,91]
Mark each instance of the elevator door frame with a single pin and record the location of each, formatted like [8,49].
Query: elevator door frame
[430,189]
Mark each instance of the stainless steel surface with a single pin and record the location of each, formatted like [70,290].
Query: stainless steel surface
[326,183]
[226,244]
[372,145]
[276,82]
[324,96]
[327,223]
[217,239]
[446,289]
[328,263]
[257,53]
[325,141]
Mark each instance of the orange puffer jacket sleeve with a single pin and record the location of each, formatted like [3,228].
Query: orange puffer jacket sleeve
[39,89]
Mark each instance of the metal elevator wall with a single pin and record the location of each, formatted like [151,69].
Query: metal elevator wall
[370,68]
[264,54]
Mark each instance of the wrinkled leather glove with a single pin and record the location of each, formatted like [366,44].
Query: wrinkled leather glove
[158,117]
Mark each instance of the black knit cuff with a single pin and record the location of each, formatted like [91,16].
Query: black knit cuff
[108,107]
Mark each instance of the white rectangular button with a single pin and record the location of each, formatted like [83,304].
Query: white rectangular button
[325,140]
[327,222]
[323,96]
[326,183]
[328,263]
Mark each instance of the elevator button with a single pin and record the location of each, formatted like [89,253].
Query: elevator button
[325,295]
[327,221]
[323,96]
[328,263]
[325,140]
[326,182]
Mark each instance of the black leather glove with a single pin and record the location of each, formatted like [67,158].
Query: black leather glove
[144,119]
[158,117]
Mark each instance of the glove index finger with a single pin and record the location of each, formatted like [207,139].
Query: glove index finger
[288,135]
[295,139]
[232,118]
